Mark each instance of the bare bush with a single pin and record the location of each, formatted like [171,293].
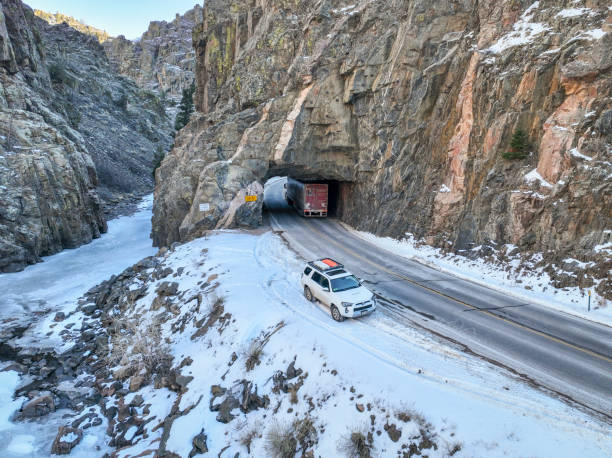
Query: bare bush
[601,302]
[246,440]
[112,175]
[253,354]
[213,303]
[142,346]
[407,414]
[454,448]
[356,444]
[305,432]
[280,442]
[254,350]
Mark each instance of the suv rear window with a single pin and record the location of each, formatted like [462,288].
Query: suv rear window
[307,271]
[316,277]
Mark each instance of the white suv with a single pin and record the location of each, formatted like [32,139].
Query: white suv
[328,282]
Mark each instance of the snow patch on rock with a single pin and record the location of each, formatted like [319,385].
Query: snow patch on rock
[534,175]
[574,152]
[523,32]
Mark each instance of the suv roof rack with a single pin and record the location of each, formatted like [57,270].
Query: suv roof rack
[326,264]
[336,272]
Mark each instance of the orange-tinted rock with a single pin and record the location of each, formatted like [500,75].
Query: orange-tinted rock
[409,108]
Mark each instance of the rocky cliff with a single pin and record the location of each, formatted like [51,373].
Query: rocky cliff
[59,18]
[123,125]
[409,105]
[163,59]
[72,131]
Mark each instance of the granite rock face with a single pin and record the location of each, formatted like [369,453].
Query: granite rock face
[163,59]
[74,137]
[123,125]
[409,105]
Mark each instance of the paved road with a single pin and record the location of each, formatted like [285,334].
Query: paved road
[568,356]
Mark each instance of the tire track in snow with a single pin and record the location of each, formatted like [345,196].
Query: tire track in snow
[277,287]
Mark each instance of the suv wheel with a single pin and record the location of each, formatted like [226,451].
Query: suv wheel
[335,313]
[308,294]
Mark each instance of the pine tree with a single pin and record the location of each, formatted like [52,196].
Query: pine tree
[519,146]
[158,157]
[185,107]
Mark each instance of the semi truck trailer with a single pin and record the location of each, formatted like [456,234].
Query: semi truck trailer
[308,199]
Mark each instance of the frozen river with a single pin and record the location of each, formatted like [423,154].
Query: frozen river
[64,277]
[56,284]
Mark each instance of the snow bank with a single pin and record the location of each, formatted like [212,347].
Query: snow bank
[594,34]
[532,284]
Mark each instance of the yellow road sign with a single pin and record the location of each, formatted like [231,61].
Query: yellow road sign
[250,198]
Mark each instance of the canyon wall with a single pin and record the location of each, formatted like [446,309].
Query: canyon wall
[163,58]
[409,105]
[76,139]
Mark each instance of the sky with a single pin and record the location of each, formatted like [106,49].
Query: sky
[118,17]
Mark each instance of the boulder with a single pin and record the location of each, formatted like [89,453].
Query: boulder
[199,444]
[136,382]
[67,438]
[393,432]
[182,381]
[167,288]
[38,407]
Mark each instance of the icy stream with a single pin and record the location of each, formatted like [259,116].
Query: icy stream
[42,290]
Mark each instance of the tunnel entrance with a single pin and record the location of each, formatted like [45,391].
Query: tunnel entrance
[278,198]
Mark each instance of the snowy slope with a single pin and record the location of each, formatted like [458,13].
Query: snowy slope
[402,380]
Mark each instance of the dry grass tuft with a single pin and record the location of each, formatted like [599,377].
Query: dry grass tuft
[253,354]
[247,438]
[454,448]
[280,442]
[285,440]
[356,444]
[407,415]
[213,303]
[305,432]
[141,346]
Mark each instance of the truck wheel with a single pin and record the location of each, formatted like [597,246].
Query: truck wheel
[308,294]
[335,313]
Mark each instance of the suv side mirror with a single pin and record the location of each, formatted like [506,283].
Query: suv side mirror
[326,288]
